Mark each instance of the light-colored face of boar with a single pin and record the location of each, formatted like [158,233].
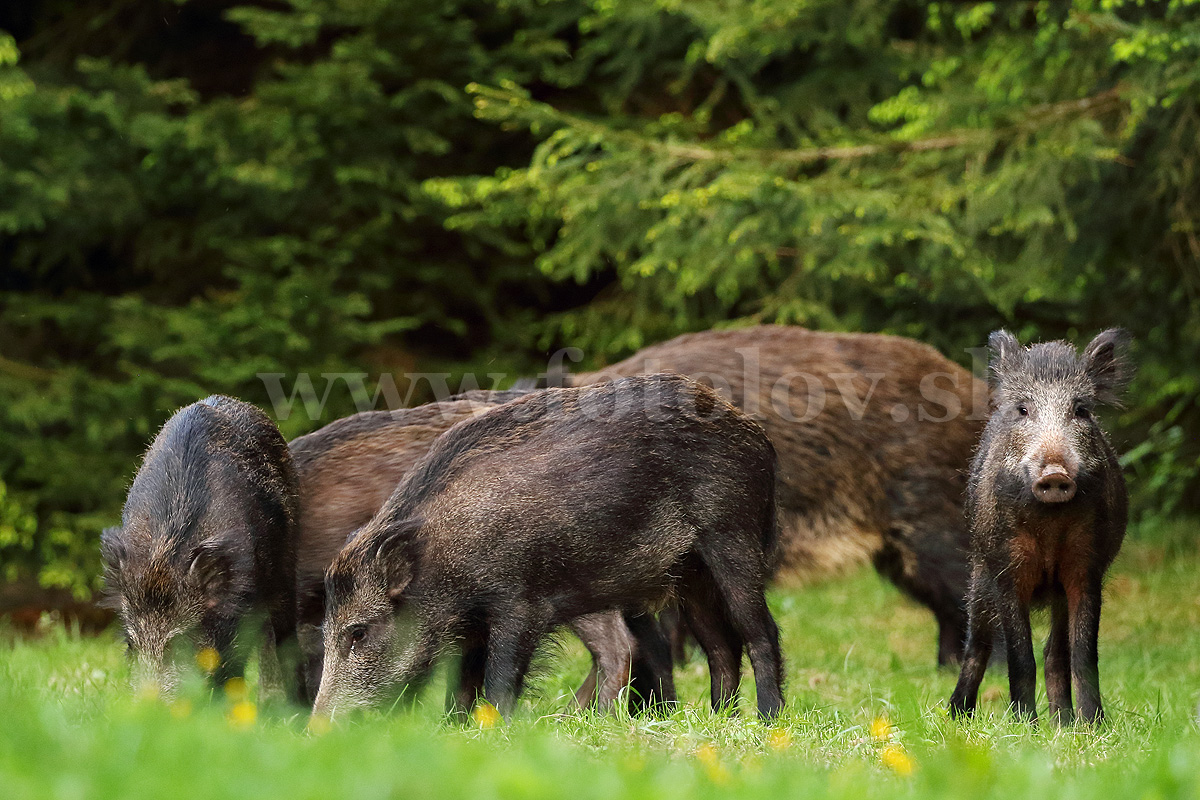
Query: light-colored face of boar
[370,653]
[161,605]
[1045,399]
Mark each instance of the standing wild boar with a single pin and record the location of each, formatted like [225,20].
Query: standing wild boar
[349,468]
[874,435]
[205,548]
[563,503]
[1047,509]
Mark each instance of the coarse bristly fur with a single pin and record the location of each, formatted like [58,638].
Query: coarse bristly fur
[206,542]
[563,503]
[1047,508]
[348,469]
[874,435]
[345,471]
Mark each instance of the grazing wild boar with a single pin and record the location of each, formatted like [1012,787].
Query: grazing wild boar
[874,435]
[563,503]
[1047,510]
[349,468]
[205,550]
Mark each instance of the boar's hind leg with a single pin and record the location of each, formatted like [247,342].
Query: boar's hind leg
[670,621]
[738,582]
[1058,659]
[746,609]
[935,580]
[585,695]
[652,682]
[718,638]
[512,638]
[755,624]
[609,641]
[952,633]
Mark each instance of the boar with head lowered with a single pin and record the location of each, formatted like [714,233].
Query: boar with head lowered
[563,503]
[204,556]
[347,470]
[1047,508]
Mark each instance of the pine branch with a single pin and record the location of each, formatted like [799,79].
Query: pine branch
[1037,117]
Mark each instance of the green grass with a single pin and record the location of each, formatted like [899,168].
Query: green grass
[856,651]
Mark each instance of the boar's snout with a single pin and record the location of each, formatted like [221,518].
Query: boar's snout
[1054,485]
[322,707]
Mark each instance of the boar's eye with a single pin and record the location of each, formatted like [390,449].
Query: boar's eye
[1082,411]
[356,634]
[1023,409]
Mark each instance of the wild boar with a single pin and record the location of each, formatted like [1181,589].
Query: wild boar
[560,504]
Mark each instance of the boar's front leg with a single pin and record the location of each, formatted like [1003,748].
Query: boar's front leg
[221,635]
[513,636]
[460,700]
[1022,669]
[1058,659]
[1083,608]
[270,672]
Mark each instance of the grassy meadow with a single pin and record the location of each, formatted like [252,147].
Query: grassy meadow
[864,718]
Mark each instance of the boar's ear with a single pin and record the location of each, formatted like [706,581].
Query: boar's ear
[112,547]
[115,555]
[396,551]
[1005,352]
[211,570]
[1105,362]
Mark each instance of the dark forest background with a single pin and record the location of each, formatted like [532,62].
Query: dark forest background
[196,192]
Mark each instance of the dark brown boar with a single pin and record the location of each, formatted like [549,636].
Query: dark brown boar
[206,544]
[349,468]
[1047,508]
[874,435]
[564,503]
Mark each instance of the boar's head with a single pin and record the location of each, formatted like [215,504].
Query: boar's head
[371,652]
[174,601]
[1044,400]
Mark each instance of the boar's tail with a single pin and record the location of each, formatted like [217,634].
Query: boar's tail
[769,534]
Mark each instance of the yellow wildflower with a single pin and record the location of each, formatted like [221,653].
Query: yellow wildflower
[881,729]
[242,714]
[181,709]
[208,659]
[235,689]
[894,757]
[779,739]
[708,756]
[486,716]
